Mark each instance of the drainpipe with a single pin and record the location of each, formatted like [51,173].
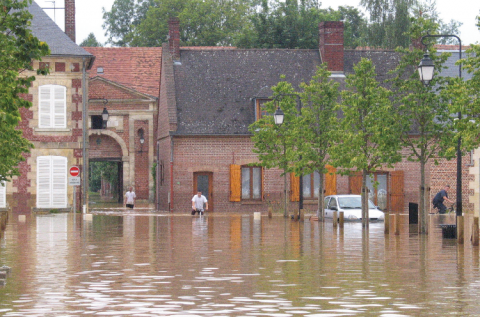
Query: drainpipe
[171,175]
[84,135]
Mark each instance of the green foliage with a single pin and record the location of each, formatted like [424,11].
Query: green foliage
[103,170]
[290,24]
[91,41]
[464,97]
[425,109]
[202,23]
[367,136]
[273,143]
[18,49]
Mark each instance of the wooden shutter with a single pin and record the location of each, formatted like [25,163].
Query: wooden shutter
[3,199]
[235,182]
[330,181]
[396,191]
[51,182]
[45,119]
[52,107]
[59,107]
[43,181]
[355,183]
[59,182]
[294,187]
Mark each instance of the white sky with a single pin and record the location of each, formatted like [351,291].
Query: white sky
[89,15]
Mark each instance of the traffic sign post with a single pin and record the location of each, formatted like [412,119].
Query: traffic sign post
[74,181]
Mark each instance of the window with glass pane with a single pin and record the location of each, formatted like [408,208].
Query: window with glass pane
[378,195]
[251,182]
[311,183]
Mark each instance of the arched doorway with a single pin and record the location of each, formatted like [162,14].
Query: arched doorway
[106,166]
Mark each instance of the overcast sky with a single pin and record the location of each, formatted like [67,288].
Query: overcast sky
[89,15]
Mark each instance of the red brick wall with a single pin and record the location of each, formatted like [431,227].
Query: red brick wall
[104,146]
[142,170]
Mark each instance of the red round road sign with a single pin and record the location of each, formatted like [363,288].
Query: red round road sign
[74,171]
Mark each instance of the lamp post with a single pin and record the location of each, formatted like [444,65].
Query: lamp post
[279,118]
[425,70]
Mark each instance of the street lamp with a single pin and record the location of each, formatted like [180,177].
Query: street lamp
[279,117]
[425,69]
[104,117]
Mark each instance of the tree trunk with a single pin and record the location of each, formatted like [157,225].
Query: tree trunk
[364,200]
[422,206]
[321,200]
[285,196]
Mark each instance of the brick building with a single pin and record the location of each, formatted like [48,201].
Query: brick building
[54,123]
[125,81]
[210,95]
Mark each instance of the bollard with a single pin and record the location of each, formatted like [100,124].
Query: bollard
[341,219]
[475,231]
[269,212]
[387,223]
[397,224]
[302,215]
[460,231]
[335,219]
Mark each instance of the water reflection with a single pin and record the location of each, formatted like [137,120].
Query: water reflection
[230,265]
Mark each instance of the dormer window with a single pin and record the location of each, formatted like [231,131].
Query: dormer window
[259,112]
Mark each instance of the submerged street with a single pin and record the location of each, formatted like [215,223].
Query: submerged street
[141,263]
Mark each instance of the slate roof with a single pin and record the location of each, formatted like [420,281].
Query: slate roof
[214,87]
[452,70]
[134,67]
[46,30]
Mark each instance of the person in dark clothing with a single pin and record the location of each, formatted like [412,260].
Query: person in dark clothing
[440,198]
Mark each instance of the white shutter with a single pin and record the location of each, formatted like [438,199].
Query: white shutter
[59,182]
[60,107]
[51,182]
[44,185]
[3,192]
[44,107]
[52,107]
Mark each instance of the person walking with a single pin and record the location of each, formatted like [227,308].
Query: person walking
[197,203]
[130,198]
[440,198]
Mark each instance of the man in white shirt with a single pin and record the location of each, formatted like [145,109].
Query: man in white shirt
[197,203]
[130,198]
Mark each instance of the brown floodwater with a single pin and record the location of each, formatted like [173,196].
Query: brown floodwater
[140,263]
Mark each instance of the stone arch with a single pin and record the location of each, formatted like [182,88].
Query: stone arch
[113,135]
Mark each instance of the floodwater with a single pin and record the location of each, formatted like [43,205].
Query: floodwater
[154,264]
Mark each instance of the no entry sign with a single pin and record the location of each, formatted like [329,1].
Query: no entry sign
[74,171]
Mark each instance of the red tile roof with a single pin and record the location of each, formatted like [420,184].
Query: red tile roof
[135,67]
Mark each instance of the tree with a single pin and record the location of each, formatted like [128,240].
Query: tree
[123,17]
[317,127]
[275,144]
[91,41]
[202,23]
[290,24]
[389,20]
[430,132]
[367,134]
[18,50]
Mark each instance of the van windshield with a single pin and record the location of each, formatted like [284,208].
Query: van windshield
[353,202]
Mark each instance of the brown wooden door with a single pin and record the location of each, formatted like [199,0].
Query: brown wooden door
[396,191]
[203,181]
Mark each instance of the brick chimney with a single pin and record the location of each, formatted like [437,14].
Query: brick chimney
[70,19]
[174,37]
[331,44]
